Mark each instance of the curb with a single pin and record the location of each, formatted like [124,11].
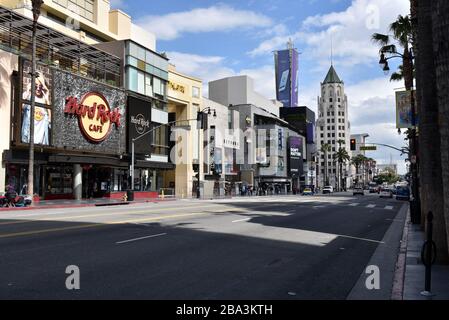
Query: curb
[399,276]
[68,206]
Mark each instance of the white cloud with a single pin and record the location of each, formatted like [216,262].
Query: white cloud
[215,18]
[209,68]
[350,31]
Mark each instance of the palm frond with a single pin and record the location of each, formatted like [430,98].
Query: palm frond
[396,76]
[391,48]
[381,39]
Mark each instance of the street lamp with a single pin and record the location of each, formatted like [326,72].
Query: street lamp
[200,118]
[408,77]
[36,8]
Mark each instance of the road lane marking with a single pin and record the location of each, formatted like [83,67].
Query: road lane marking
[371,206]
[96,225]
[354,204]
[241,220]
[142,238]
[389,208]
[64,218]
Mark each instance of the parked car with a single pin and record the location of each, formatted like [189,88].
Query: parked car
[403,193]
[359,191]
[307,192]
[328,190]
[373,189]
[386,193]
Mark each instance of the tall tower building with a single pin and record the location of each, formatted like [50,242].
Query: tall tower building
[333,129]
[287,73]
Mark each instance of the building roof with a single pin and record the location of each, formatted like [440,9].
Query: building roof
[332,76]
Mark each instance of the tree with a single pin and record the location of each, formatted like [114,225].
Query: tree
[341,157]
[325,149]
[402,34]
[433,56]
[358,161]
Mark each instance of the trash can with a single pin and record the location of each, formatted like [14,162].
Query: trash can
[130,195]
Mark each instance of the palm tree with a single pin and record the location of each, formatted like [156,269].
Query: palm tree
[432,63]
[325,149]
[358,161]
[341,157]
[402,34]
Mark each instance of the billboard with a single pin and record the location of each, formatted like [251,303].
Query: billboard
[42,112]
[404,116]
[295,156]
[139,124]
[287,73]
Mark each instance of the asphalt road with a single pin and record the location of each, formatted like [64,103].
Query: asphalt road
[257,248]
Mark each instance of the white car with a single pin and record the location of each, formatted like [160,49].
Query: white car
[386,193]
[328,190]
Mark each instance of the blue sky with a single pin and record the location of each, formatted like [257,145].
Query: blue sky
[214,39]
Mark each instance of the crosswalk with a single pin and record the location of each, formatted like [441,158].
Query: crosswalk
[314,203]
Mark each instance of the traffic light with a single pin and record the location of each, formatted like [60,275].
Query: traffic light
[353,145]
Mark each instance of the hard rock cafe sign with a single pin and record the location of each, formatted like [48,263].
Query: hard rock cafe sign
[95,116]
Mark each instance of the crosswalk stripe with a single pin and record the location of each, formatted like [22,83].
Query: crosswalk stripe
[389,208]
[354,204]
[371,206]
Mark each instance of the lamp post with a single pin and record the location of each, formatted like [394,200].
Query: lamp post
[408,58]
[36,8]
[206,112]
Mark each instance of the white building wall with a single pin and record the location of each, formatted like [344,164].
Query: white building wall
[239,90]
[8,64]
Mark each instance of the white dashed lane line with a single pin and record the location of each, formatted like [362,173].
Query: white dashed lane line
[142,238]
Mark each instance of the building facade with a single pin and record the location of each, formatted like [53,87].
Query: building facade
[184,96]
[89,21]
[270,155]
[304,121]
[83,152]
[333,129]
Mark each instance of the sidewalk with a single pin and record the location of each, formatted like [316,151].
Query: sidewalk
[62,204]
[414,279]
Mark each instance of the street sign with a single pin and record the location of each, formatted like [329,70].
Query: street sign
[368,148]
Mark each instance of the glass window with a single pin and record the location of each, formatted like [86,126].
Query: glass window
[195,92]
[132,79]
[133,49]
[141,53]
[141,82]
[148,86]
[132,61]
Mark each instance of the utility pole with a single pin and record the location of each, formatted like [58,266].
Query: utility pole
[36,4]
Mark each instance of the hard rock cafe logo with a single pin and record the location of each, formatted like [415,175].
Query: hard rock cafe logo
[95,117]
[141,123]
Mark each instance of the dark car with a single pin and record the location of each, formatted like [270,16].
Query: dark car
[403,193]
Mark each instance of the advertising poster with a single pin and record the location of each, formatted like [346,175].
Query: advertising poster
[139,119]
[261,156]
[295,156]
[42,112]
[42,125]
[283,77]
[404,116]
